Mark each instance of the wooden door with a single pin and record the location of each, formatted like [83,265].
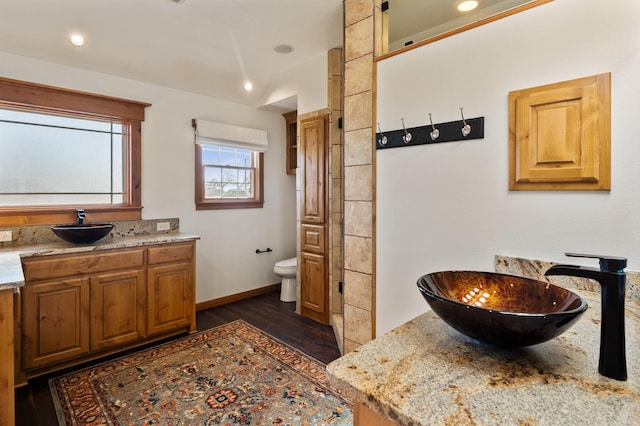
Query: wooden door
[55,321]
[118,308]
[170,298]
[314,280]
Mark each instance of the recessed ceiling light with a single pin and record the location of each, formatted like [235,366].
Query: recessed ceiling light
[76,39]
[283,48]
[466,6]
[248,86]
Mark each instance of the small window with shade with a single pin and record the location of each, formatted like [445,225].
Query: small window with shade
[229,166]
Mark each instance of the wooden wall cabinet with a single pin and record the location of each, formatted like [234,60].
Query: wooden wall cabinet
[77,307]
[560,136]
[291,132]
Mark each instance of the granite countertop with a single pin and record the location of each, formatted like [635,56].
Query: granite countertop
[11,268]
[10,271]
[426,373]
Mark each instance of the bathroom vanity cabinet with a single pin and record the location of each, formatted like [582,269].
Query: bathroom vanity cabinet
[76,307]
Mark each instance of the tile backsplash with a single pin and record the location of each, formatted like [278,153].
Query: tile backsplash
[42,234]
[535,269]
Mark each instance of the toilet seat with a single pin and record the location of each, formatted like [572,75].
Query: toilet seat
[287,267]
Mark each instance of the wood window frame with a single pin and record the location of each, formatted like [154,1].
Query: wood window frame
[26,96]
[203,203]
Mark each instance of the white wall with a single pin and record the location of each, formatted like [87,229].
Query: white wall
[303,81]
[226,258]
[447,206]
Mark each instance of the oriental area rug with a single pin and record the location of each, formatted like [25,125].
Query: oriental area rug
[233,374]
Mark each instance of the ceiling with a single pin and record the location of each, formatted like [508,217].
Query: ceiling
[208,47]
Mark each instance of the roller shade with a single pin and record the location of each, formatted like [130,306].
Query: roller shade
[212,133]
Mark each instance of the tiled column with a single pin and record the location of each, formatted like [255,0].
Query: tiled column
[335,61]
[359,175]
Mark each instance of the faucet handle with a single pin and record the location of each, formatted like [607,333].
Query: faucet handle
[80,216]
[607,263]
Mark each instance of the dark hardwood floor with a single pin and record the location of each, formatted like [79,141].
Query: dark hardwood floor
[34,406]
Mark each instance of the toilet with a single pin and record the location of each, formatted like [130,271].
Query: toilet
[287,269]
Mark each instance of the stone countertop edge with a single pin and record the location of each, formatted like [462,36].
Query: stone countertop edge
[11,275]
[426,373]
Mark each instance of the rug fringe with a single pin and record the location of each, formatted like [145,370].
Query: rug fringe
[57,405]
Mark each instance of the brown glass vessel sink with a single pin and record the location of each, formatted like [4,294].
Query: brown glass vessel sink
[500,309]
[82,233]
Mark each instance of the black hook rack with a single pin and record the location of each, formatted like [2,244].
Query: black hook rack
[268,250]
[447,132]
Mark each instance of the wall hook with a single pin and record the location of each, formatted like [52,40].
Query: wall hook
[383,140]
[431,132]
[434,132]
[407,136]
[466,129]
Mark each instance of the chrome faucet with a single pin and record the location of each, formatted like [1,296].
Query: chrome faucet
[611,277]
[81,215]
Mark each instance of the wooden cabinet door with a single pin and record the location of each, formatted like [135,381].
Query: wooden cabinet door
[118,308]
[7,390]
[314,279]
[313,169]
[314,296]
[170,297]
[55,321]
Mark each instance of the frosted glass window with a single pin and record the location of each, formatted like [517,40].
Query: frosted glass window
[48,159]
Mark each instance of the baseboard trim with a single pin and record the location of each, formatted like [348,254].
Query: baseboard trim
[237,297]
